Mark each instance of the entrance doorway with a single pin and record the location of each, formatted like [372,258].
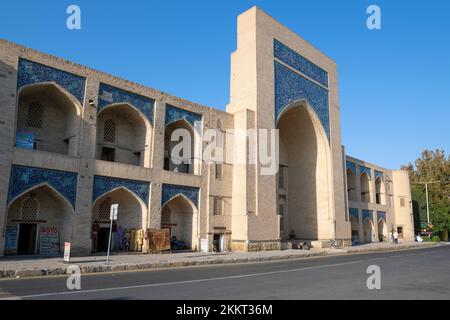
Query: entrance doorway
[27,239]
[102,239]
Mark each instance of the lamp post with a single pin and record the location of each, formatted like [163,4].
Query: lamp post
[426,196]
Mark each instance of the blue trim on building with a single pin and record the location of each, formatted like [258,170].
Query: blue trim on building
[30,72]
[174,114]
[103,185]
[300,63]
[352,166]
[291,86]
[367,214]
[381,215]
[379,174]
[169,191]
[111,95]
[363,169]
[25,178]
[353,212]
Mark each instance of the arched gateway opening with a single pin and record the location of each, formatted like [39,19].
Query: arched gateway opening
[42,218]
[131,218]
[179,215]
[304,157]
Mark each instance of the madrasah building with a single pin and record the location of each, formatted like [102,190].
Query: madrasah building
[75,140]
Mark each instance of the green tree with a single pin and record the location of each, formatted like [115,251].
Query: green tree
[432,166]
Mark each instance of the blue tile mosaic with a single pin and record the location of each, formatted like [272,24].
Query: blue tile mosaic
[379,174]
[363,169]
[300,63]
[353,212]
[108,95]
[351,166]
[381,215]
[169,191]
[25,178]
[103,185]
[290,87]
[174,114]
[30,72]
[367,214]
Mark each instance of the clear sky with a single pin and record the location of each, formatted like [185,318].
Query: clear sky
[394,83]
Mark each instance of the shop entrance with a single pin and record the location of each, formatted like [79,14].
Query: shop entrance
[102,240]
[27,239]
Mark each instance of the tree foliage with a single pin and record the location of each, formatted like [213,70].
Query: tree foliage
[432,166]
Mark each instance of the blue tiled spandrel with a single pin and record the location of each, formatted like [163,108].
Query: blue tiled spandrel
[363,169]
[169,191]
[103,185]
[353,212]
[109,95]
[174,114]
[300,63]
[351,166]
[381,215]
[25,178]
[367,214]
[379,174]
[32,73]
[290,87]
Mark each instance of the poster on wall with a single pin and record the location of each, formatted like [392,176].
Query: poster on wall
[49,241]
[25,140]
[11,240]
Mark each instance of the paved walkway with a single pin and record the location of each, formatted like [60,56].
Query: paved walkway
[29,267]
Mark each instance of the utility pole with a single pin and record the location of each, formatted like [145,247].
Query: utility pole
[426,196]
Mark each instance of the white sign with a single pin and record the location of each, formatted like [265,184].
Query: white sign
[67,246]
[204,245]
[114,212]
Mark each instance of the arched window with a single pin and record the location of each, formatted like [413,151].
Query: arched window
[104,210]
[109,131]
[35,114]
[30,209]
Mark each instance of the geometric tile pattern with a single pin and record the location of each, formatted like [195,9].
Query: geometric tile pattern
[104,184]
[174,114]
[169,191]
[108,95]
[291,86]
[25,178]
[300,63]
[32,72]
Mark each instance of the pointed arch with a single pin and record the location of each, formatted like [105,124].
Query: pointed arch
[38,186]
[147,122]
[135,196]
[180,195]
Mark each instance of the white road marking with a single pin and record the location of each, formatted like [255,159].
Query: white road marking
[188,281]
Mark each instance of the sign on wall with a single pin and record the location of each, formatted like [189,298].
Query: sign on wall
[11,240]
[49,241]
[25,140]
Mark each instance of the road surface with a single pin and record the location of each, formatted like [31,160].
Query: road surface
[412,274]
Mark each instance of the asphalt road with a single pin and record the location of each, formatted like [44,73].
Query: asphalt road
[413,274]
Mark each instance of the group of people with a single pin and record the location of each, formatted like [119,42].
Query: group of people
[393,237]
[130,240]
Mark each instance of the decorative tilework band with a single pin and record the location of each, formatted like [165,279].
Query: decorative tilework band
[30,72]
[103,185]
[300,63]
[26,178]
[174,114]
[291,87]
[169,191]
[108,95]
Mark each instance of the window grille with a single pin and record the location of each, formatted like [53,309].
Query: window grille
[30,208]
[34,116]
[109,132]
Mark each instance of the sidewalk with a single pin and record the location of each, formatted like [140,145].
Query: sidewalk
[15,267]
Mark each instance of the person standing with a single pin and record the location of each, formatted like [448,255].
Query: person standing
[120,235]
[395,237]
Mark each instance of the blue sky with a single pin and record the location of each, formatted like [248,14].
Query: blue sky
[394,83]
